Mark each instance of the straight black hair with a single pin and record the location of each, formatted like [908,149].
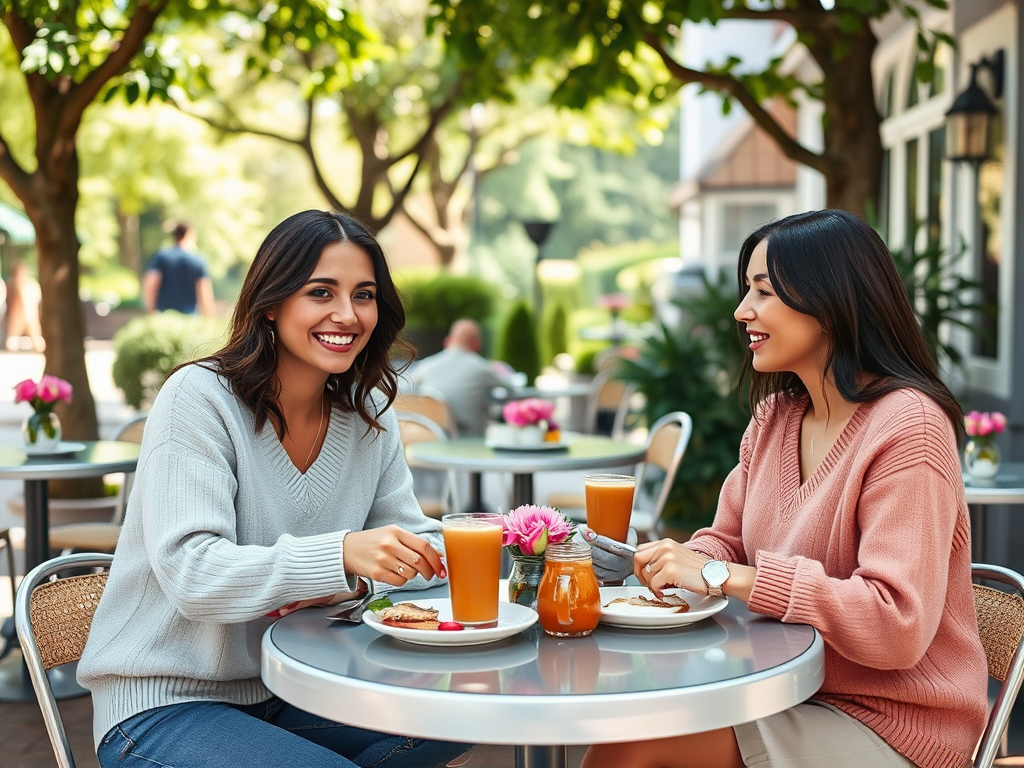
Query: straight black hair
[832,266]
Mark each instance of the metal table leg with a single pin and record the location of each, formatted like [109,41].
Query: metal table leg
[522,489]
[541,757]
[15,684]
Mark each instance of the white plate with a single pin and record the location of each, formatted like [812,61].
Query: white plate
[637,617]
[409,658]
[559,446]
[512,619]
[61,449]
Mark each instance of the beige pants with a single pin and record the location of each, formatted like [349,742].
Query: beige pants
[814,734]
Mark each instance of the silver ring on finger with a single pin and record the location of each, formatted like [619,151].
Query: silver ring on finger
[647,567]
[401,569]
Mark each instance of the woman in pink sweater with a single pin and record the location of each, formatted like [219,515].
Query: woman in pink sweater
[846,512]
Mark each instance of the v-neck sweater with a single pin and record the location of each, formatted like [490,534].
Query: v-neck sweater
[221,528]
[873,551]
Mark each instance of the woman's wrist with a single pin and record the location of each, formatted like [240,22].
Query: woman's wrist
[740,582]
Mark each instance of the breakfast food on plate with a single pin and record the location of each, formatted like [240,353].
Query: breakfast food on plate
[669,601]
[410,616]
[450,626]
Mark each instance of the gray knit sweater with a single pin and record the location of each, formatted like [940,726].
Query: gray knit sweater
[222,528]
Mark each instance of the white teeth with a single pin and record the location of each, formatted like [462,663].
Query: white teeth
[333,338]
[756,337]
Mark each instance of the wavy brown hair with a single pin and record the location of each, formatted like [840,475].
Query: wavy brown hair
[832,266]
[283,264]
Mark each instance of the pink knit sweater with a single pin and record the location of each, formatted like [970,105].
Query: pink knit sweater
[874,552]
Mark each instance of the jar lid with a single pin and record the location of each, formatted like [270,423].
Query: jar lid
[569,551]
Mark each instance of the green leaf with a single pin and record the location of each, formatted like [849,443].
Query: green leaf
[380,604]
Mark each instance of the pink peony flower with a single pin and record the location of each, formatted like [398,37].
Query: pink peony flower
[532,410]
[48,389]
[984,424]
[64,391]
[24,391]
[529,529]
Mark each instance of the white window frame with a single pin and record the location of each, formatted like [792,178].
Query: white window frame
[998,30]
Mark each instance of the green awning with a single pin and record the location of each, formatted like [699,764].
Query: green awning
[16,225]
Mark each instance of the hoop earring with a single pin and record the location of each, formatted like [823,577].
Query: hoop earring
[273,339]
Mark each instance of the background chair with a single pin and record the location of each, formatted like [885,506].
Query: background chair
[433,406]
[436,499]
[5,541]
[608,405]
[101,537]
[53,620]
[1001,625]
[666,444]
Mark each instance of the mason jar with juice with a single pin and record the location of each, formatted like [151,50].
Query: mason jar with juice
[472,543]
[569,599]
[609,504]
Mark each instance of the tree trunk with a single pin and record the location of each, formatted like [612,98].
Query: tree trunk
[853,143]
[53,216]
[128,240]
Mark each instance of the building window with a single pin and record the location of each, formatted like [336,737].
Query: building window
[739,220]
[988,253]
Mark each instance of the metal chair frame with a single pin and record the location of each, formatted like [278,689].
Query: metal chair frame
[608,393]
[38,576]
[999,716]
[449,494]
[84,535]
[653,456]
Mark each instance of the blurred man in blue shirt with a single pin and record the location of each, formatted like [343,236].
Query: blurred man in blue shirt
[176,277]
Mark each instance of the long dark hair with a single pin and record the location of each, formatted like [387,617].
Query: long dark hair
[282,266]
[832,266]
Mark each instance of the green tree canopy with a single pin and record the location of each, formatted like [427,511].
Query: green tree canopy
[627,51]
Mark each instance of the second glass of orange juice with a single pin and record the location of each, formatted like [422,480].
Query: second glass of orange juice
[472,542]
[609,504]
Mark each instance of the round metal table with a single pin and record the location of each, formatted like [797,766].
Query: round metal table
[1007,487]
[470,454]
[98,458]
[541,693]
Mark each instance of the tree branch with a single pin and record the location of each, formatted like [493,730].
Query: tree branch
[80,96]
[307,147]
[21,35]
[235,128]
[436,116]
[17,179]
[734,87]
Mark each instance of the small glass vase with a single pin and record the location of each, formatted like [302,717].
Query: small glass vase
[41,432]
[981,457]
[524,579]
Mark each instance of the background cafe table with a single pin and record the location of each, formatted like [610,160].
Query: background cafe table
[541,693]
[97,458]
[1007,487]
[470,454]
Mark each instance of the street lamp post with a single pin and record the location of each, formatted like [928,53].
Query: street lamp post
[538,232]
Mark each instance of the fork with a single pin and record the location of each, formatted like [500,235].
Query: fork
[352,610]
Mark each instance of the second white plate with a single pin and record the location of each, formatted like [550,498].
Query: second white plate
[560,446]
[512,619]
[62,449]
[639,617]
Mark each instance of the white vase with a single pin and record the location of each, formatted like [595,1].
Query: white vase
[531,434]
[41,432]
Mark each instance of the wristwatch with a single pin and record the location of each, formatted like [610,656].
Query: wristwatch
[715,573]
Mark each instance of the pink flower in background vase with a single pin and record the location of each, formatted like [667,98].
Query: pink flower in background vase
[984,424]
[42,396]
[522,413]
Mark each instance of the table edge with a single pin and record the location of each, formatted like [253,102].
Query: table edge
[543,720]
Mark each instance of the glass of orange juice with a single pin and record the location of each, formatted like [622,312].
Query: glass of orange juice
[609,504]
[472,543]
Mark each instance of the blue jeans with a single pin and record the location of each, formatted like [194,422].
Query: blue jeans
[271,734]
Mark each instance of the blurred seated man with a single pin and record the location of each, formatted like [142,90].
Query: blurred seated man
[462,375]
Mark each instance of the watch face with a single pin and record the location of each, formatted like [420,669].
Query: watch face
[715,573]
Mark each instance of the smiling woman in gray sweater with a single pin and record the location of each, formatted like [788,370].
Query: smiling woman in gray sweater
[271,477]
